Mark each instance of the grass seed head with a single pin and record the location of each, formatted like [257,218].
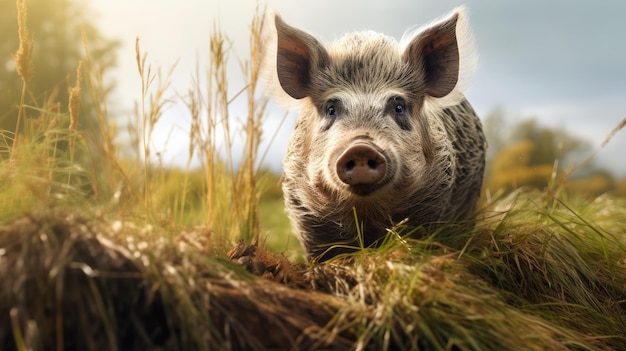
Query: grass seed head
[23,56]
[74,103]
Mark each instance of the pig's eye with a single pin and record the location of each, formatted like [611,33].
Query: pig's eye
[399,106]
[331,111]
[332,108]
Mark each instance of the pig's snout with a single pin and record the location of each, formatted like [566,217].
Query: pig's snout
[361,165]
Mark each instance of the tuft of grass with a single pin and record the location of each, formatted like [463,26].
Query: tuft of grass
[537,273]
[561,259]
[150,112]
[231,192]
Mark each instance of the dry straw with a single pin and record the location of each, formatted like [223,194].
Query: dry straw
[23,57]
[74,102]
[73,107]
[23,64]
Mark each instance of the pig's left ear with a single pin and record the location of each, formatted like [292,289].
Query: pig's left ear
[290,58]
[443,55]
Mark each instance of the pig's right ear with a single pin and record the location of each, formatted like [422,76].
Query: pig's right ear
[291,57]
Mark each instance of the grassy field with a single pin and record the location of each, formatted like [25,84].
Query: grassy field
[276,234]
[100,250]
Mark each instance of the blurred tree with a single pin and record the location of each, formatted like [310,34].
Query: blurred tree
[56,27]
[593,184]
[550,144]
[512,167]
[620,188]
[527,153]
[494,126]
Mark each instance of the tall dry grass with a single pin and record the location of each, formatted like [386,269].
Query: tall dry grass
[231,192]
[23,59]
[54,162]
[37,166]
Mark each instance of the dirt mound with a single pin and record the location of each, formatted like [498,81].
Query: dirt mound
[69,283]
[65,286]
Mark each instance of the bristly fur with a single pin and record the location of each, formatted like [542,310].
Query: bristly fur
[434,148]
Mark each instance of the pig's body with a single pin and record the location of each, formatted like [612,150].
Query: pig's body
[384,132]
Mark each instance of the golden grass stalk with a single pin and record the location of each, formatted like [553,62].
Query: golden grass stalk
[23,57]
[146,79]
[232,193]
[73,107]
[153,87]
[617,128]
[23,63]
[105,170]
[74,102]
[218,114]
[247,175]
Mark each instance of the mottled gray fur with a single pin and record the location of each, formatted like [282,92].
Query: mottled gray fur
[405,101]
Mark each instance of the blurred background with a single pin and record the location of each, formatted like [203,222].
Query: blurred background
[550,86]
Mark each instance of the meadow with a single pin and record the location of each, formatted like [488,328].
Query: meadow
[101,249]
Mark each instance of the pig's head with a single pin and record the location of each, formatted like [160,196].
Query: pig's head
[369,135]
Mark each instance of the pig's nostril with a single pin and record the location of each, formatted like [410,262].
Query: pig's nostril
[361,164]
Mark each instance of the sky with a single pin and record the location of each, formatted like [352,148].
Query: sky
[560,62]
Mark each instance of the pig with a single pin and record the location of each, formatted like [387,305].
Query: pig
[385,134]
